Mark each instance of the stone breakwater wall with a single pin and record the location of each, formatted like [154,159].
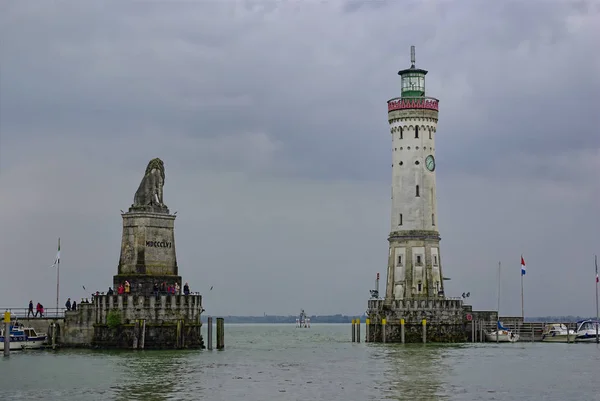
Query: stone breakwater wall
[445,320]
[121,321]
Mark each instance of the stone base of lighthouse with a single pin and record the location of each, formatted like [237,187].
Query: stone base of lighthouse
[445,321]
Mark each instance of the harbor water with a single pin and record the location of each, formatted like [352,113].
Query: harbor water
[281,362]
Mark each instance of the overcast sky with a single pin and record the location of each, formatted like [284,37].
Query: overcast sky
[271,119]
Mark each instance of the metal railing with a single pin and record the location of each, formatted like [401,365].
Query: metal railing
[423,102]
[23,313]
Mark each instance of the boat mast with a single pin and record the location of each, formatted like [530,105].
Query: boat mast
[498,313]
[596,263]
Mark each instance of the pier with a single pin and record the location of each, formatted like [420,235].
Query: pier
[474,331]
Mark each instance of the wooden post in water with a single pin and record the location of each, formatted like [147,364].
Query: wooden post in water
[424,322]
[7,333]
[220,333]
[209,331]
[353,335]
[367,323]
[568,335]
[402,331]
[357,330]
[383,324]
[143,337]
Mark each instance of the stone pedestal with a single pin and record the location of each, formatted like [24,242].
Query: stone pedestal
[147,251]
[445,320]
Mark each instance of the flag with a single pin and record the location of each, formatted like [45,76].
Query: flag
[57,260]
[522,266]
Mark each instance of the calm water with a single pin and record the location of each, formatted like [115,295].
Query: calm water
[280,362]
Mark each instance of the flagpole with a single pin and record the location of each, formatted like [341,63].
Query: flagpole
[57,277]
[596,263]
[522,303]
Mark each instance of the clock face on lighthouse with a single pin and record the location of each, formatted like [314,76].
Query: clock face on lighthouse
[430,163]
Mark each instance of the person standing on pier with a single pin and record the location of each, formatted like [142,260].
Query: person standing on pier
[68,304]
[30,310]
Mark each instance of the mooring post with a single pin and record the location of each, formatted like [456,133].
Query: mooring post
[481,331]
[143,339]
[209,330]
[353,334]
[182,333]
[367,323]
[54,330]
[402,331]
[7,333]
[136,331]
[383,324]
[568,336]
[424,322]
[532,332]
[357,330]
[220,333]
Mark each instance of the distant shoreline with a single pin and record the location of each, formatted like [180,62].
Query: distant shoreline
[348,319]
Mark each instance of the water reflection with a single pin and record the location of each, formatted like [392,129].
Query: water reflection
[155,375]
[414,371]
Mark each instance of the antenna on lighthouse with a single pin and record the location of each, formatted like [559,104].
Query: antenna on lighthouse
[412,56]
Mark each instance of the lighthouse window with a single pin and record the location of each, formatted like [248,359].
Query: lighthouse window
[417,162]
[418,191]
[400,132]
[416,132]
[433,219]
[419,287]
[435,260]
[400,220]
[399,260]
[418,260]
[429,133]
[401,163]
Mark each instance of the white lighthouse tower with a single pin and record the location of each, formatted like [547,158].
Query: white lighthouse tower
[414,266]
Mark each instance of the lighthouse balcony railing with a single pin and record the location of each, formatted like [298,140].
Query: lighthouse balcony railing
[422,102]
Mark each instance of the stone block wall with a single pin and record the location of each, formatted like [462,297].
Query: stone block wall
[78,327]
[156,336]
[445,320]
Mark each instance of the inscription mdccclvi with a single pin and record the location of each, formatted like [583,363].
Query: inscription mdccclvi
[159,244]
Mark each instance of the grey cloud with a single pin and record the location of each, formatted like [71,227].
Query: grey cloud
[263,111]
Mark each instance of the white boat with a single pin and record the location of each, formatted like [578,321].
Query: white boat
[23,338]
[557,333]
[505,335]
[586,331]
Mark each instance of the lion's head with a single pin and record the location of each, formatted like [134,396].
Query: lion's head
[156,164]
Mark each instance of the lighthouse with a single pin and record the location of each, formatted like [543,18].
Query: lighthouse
[414,264]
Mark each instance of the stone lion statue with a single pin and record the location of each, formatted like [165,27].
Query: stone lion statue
[150,191]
